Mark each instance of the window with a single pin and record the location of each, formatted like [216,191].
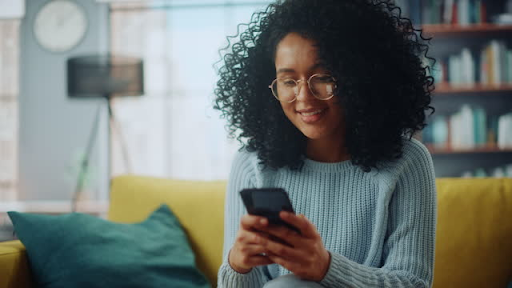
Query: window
[173,131]
[9,90]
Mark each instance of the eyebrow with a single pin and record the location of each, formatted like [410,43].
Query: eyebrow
[290,70]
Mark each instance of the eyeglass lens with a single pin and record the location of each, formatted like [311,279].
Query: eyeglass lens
[321,86]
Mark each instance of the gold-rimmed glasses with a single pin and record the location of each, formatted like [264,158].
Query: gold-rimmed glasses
[322,86]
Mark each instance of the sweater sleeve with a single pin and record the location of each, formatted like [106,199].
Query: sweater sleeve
[242,175]
[408,251]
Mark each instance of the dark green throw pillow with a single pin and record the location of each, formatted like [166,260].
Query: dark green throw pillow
[79,250]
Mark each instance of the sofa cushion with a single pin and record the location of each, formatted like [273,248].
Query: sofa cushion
[79,250]
[14,268]
[199,205]
[474,233]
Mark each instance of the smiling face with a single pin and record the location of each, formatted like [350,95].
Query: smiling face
[318,120]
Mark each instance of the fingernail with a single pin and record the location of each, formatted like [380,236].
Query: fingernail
[263,221]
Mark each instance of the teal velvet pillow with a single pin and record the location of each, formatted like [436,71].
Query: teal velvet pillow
[79,250]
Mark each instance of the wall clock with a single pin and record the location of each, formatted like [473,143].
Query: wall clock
[60,25]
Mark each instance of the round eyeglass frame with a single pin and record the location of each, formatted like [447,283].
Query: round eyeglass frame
[297,82]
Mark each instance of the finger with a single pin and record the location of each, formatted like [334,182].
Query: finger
[250,237]
[260,260]
[251,222]
[285,234]
[281,250]
[251,255]
[253,250]
[306,228]
[291,266]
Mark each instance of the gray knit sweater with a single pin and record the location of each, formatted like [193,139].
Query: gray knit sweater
[379,227]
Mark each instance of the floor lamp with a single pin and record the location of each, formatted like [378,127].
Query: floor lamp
[102,76]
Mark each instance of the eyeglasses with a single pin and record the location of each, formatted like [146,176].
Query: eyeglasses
[322,86]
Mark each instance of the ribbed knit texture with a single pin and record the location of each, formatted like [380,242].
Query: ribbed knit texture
[379,227]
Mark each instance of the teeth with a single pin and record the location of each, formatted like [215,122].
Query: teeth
[312,113]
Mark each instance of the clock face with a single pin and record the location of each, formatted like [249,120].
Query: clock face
[60,25]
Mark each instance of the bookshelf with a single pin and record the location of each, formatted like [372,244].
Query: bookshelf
[445,88]
[486,149]
[472,44]
[454,30]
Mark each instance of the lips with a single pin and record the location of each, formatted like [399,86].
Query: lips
[311,115]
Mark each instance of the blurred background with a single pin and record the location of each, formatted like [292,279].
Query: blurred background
[57,148]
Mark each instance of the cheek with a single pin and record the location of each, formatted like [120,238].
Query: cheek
[337,109]
[338,116]
[288,110]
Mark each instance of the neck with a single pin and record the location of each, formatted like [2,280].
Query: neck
[323,150]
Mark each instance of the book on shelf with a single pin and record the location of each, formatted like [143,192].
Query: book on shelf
[491,66]
[467,60]
[503,19]
[462,130]
[414,11]
[496,172]
[463,12]
[506,17]
[404,7]
[467,129]
[447,11]
[495,69]
[505,131]
[460,12]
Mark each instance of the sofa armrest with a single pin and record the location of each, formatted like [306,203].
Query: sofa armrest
[14,268]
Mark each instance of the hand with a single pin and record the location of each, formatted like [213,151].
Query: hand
[306,258]
[248,248]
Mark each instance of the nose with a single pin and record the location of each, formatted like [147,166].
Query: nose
[303,93]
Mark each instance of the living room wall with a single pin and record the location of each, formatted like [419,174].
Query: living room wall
[54,129]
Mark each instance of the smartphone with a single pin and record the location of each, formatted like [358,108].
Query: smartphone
[268,202]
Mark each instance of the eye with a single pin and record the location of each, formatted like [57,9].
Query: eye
[289,82]
[324,79]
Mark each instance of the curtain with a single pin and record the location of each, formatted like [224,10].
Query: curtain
[172,130]
[9,90]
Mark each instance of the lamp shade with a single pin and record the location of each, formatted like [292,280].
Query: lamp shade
[105,76]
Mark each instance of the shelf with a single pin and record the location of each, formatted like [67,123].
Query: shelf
[445,88]
[443,30]
[446,151]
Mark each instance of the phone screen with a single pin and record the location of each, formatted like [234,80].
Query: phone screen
[268,202]
[271,201]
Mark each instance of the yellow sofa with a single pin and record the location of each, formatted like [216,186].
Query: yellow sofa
[473,240]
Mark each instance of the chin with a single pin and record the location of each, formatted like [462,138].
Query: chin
[312,135]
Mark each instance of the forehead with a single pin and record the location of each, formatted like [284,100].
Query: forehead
[295,52]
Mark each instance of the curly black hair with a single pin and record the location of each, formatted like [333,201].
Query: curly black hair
[378,57]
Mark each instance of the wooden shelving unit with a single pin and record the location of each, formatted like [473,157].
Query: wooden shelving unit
[488,149]
[446,88]
[445,40]
[450,30]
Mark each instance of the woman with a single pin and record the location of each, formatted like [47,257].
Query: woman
[325,96]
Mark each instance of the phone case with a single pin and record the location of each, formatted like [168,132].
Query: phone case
[268,202]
